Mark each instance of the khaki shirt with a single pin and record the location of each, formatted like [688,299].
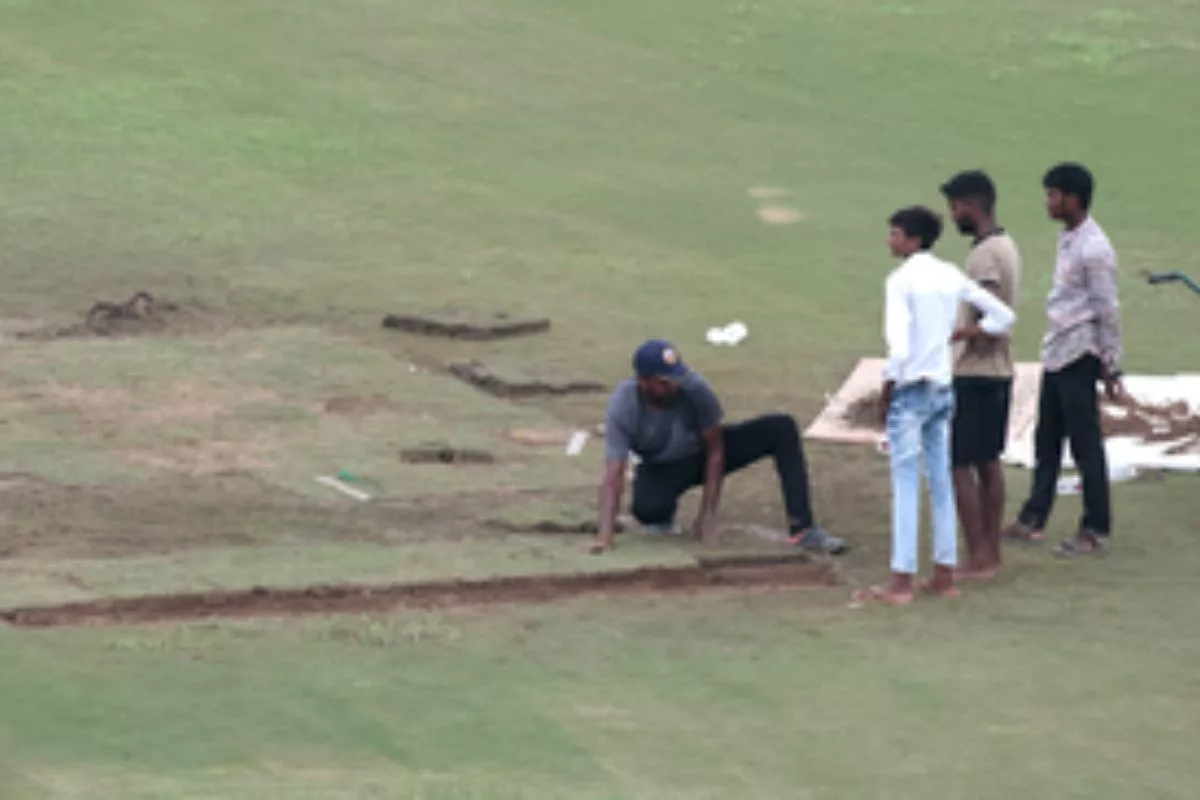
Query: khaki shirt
[995,263]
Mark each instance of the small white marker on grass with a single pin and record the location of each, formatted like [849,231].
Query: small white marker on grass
[334,483]
[578,441]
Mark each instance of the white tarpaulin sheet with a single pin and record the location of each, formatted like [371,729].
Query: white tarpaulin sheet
[1167,401]
[1181,453]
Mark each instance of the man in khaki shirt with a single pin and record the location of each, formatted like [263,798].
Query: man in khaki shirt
[983,375]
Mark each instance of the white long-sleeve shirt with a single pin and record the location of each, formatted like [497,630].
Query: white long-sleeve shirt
[922,302]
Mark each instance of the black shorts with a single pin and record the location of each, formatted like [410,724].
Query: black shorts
[980,428]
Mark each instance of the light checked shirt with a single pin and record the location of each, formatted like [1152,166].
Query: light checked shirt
[922,303]
[1082,309]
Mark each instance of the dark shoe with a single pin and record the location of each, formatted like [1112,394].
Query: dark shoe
[818,540]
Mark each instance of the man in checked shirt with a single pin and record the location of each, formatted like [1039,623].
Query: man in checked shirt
[1081,348]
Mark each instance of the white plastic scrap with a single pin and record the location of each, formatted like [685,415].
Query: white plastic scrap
[578,441]
[730,335]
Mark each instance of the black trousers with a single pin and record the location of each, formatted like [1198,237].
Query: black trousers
[658,487]
[1069,408]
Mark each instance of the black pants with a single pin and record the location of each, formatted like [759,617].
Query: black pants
[658,487]
[1069,408]
[980,428]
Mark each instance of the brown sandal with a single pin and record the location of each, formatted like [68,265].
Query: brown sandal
[1021,533]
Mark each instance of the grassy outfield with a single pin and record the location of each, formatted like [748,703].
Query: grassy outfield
[289,172]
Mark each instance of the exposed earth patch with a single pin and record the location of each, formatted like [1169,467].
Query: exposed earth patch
[709,574]
[466,326]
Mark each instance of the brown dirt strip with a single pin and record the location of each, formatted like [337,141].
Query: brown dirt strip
[1152,423]
[547,526]
[482,377]
[708,574]
[444,454]
[468,331]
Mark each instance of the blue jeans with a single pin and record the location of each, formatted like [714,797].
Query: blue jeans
[919,424]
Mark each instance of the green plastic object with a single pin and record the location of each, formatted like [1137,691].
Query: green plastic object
[346,476]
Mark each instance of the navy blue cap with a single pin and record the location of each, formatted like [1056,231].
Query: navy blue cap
[657,358]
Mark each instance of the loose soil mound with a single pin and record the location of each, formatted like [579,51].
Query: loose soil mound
[791,570]
[485,378]
[1125,417]
[1153,423]
[548,526]
[140,314]
[444,454]
[454,326]
[864,413]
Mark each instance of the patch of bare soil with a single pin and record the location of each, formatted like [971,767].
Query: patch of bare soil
[140,314]
[767,192]
[779,215]
[1174,422]
[864,413]
[445,454]
[178,402]
[548,526]
[175,513]
[543,437]
[120,416]
[14,481]
[359,406]
[453,325]
[19,328]
[707,575]
[485,378]
[199,457]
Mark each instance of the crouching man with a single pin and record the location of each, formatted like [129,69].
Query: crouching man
[670,418]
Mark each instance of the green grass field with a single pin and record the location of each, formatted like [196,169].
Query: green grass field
[290,172]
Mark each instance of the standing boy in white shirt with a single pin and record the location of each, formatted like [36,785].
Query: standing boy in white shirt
[917,399]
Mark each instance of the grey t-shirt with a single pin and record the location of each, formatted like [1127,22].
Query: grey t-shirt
[660,435]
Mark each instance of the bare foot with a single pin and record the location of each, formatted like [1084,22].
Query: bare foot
[942,582]
[883,596]
[976,574]
[947,591]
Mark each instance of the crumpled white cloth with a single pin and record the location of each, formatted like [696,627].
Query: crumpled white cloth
[730,335]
